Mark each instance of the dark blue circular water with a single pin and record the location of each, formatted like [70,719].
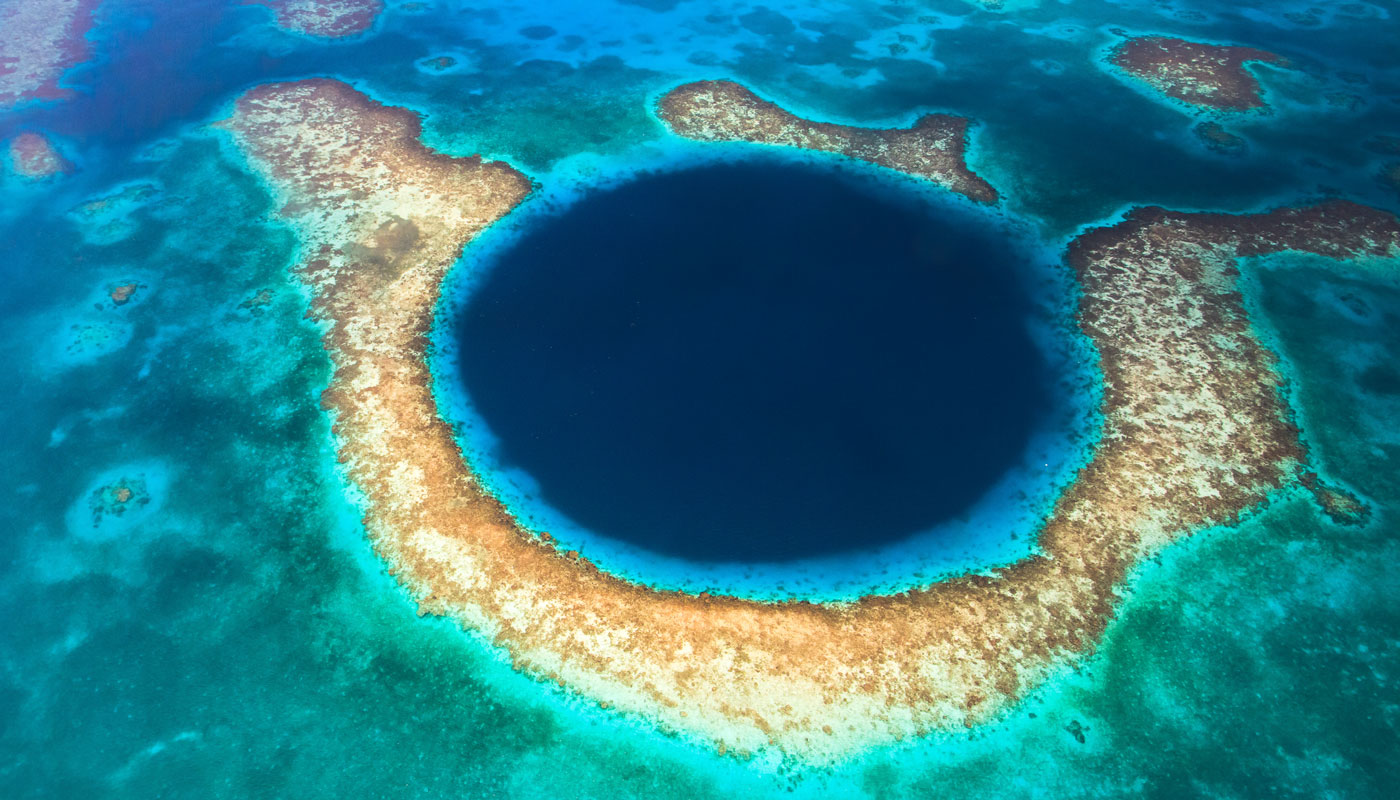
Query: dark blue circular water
[755,362]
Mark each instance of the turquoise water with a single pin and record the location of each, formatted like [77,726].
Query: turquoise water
[233,636]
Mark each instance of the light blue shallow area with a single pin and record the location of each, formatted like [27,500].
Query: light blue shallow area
[235,636]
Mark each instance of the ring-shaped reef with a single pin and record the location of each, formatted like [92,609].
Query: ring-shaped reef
[1196,432]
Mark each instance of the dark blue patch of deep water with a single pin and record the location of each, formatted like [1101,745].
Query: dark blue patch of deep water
[756,362]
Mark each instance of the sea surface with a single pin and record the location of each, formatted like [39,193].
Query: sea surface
[233,635]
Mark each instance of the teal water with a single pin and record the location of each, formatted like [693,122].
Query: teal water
[233,636]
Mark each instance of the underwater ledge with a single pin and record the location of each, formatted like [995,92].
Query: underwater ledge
[1196,433]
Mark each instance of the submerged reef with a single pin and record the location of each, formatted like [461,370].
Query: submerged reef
[257,303]
[117,498]
[33,156]
[1196,432]
[122,293]
[1384,145]
[330,19]
[122,201]
[1390,176]
[1207,76]
[439,63]
[112,217]
[1341,506]
[935,148]
[1214,136]
[42,38]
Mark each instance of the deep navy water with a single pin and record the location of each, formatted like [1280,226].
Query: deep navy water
[756,362]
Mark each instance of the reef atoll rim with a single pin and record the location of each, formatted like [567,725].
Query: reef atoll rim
[1196,432]
[329,19]
[935,148]
[1207,76]
[41,39]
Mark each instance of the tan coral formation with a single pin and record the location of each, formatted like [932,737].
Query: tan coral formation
[122,293]
[1195,432]
[934,149]
[39,39]
[330,19]
[1207,76]
[33,156]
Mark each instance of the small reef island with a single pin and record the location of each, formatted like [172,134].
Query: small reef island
[1206,77]
[1195,431]
[328,19]
[33,156]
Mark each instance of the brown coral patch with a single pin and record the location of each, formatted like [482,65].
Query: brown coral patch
[331,19]
[1195,432]
[122,294]
[33,156]
[41,39]
[117,498]
[1341,506]
[935,148]
[1207,76]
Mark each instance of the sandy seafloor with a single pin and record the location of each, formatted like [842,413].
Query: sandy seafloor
[236,637]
